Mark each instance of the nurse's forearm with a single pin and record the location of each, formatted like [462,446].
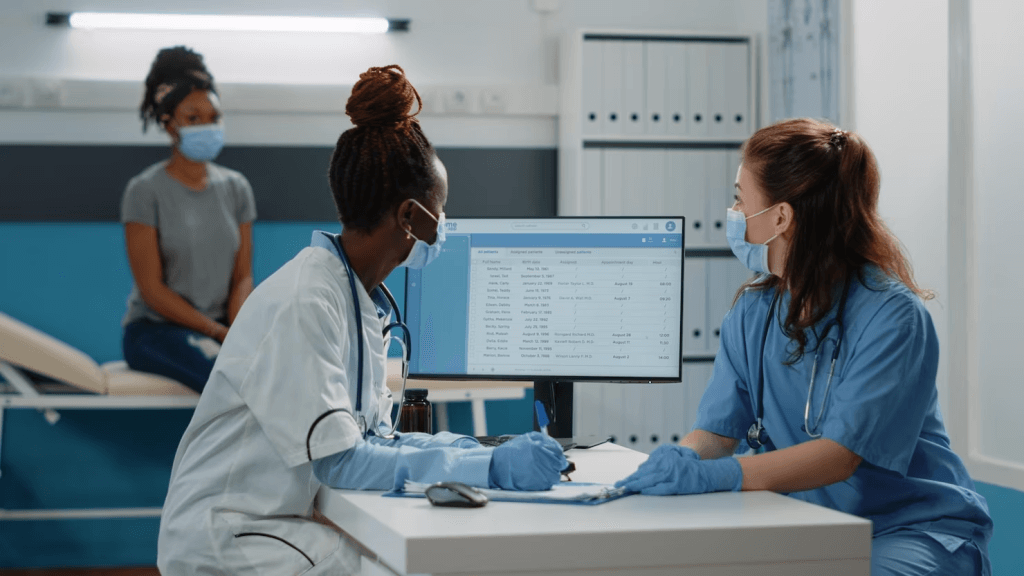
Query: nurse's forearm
[709,445]
[802,467]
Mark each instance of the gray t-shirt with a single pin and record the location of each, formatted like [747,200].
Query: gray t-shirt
[197,233]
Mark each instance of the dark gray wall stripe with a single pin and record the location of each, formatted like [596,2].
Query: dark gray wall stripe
[85,183]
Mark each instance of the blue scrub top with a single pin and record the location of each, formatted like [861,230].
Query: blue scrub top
[883,406]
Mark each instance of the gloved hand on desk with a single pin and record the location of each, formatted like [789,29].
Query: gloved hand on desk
[672,469]
[531,462]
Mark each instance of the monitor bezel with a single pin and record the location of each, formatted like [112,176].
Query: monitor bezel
[572,378]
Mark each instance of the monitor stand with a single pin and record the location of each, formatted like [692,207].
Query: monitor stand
[557,399]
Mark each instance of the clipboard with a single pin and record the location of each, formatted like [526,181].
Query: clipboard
[577,493]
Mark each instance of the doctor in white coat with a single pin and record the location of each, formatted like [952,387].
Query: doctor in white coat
[280,416]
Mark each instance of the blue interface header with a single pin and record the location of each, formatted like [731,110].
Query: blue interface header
[575,240]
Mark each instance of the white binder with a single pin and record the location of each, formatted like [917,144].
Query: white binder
[717,114]
[686,182]
[716,172]
[677,107]
[695,295]
[633,418]
[656,62]
[634,87]
[653,417]
[612,87]
[614,182]
[737,89]
[613,412]
[699,376]
[697,89]
[675,409]
[586,399]
[592,87]
[592,195]
[725,276]
[634,183]
[652,174]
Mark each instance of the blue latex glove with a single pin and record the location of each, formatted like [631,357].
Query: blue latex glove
[422,440]
[380,464]
[528,462]
[672,469]
[445,438]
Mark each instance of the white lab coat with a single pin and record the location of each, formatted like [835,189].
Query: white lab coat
[242,487]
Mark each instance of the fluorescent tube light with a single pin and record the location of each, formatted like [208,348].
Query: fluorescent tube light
[129,21]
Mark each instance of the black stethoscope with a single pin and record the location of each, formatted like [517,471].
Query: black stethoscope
[405,341]
[757,436]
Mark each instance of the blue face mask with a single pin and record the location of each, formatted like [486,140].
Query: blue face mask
[754,256]
[423,253]
[201,143]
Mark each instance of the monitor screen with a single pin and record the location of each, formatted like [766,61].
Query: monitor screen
[550,299]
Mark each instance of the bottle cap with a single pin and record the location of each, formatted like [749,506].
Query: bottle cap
[415,394]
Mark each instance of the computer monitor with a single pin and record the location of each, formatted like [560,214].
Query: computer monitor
[551,299]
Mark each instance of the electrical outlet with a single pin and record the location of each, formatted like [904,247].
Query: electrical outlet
[493,101]
[12,93]
[431,101]
[47,93]
[456,101]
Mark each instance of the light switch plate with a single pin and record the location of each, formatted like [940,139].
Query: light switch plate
[47,93]
[12,93]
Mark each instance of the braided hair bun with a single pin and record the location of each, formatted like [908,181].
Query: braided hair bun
[386,158]
[175,73]
[383,97]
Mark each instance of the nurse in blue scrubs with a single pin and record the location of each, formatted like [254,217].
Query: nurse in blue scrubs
[827,364]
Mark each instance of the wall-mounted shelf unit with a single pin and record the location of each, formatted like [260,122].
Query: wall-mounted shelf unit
[651,124]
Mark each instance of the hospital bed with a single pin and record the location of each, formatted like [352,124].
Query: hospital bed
[76,382]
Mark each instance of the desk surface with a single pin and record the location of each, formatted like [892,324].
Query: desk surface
[637,534]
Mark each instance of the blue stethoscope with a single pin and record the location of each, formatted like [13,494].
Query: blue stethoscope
[405,341]
[757,436]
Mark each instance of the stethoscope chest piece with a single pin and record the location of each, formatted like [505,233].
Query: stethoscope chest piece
[757,436]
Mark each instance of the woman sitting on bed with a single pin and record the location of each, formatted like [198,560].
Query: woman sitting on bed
[187,230]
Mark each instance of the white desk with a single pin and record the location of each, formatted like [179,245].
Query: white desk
[723,534]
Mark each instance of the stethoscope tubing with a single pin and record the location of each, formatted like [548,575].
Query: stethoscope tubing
[757,436]
[405,342]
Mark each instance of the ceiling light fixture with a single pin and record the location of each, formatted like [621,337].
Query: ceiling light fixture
[129,21]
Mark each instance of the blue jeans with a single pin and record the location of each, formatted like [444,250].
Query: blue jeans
[169,350]
[913,553]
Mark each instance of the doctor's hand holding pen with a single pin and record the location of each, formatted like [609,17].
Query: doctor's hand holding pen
[533,461]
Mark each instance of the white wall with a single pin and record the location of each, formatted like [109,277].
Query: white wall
[451,42]
[998,48]
[901,107]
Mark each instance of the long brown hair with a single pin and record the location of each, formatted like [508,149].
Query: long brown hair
[386,158]
[830,178]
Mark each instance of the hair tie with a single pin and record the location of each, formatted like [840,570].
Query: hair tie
[838,138]
[162,91]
